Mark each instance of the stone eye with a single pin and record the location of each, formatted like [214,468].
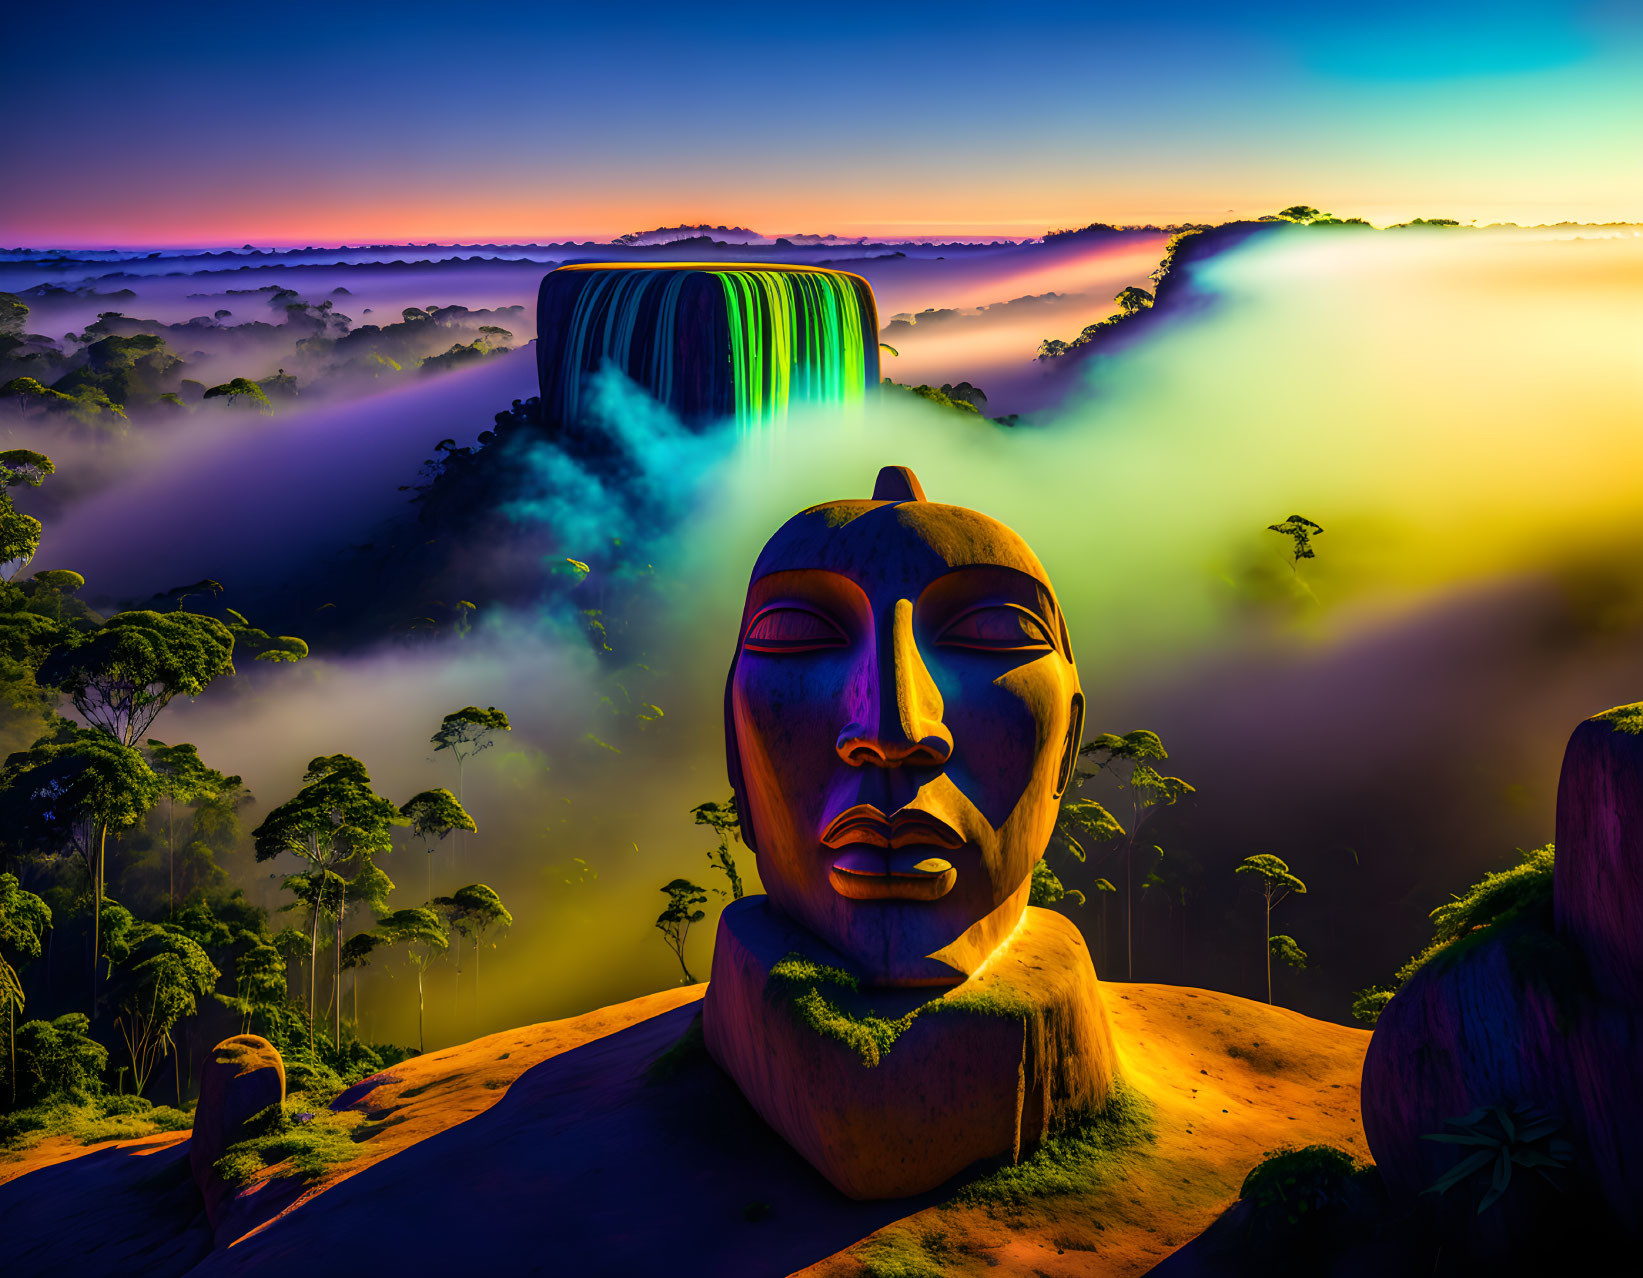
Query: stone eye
[787,629]
[997,628]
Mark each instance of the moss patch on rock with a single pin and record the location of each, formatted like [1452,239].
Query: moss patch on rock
[1101,1146]
[1500,898]
[1623,718]
[868,1034]
[309,1141]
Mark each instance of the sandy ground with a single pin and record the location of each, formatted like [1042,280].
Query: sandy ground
[554,1147]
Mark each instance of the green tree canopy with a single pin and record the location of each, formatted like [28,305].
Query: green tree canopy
[1127,760]
[259,645]
[336,822]
[425,937]
[19,533]
[1285,950]
[722,818]
[24,919]
[241,388]
[467,731]
[56,795]
[674,922]
[1272,872]
[1276,883]
[123,673]
[433,814]
[64,795]
[160,976]
[474,911]
[58,1058]
[1131,300]
[1302,213]
[184,778]
[1300,530]
[24,466]
[64,581]
[1081,819]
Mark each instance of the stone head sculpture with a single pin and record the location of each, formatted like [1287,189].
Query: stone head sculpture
[901,718]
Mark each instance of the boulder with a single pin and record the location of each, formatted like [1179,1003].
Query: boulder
[1598,874]
[241,1077]
[1538,1014]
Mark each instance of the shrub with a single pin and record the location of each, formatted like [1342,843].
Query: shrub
[58,1059]
[89,1121]
[127,1104]
[311,1142]
[1290,1188]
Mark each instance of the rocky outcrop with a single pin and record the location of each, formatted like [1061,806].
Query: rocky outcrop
[1533,1029]
[241,1077]
[1599,866]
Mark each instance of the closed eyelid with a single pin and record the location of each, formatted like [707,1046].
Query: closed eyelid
[947,600]
[1031,630]
[789,626]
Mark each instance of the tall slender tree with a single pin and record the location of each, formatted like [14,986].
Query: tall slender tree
[24,919]
[465,733]
[183,776]
[1128,760]
[722,818]
[65,795]
[432,815]
[19,533]
[675,920]
[425,937]
[1276,883]
[474,911]
[334,824]
[159,975]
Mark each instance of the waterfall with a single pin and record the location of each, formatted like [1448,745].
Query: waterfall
[709,341]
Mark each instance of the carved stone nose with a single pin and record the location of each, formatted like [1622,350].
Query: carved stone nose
[909,731]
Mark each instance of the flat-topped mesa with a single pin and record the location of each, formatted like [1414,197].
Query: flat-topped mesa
[1598,873]
[709,340]
[902,716]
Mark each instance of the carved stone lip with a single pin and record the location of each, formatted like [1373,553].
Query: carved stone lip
[891,858]
[909,827]
[861,880]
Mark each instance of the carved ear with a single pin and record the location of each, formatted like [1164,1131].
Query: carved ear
[1069,751]
[733,760]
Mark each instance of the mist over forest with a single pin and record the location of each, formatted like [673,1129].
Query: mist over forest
[339,446]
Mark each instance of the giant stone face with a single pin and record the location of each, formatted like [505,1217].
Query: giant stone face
[902,715]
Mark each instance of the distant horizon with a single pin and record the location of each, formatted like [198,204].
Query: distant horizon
[235,244]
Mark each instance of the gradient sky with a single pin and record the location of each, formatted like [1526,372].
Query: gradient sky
[207,125]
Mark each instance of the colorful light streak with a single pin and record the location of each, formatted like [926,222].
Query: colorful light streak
[708,340]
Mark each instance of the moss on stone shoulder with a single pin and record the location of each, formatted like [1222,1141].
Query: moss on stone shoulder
[795,969]
[990,1000]
[867,1034]
[1083,1154]
[1623,718]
